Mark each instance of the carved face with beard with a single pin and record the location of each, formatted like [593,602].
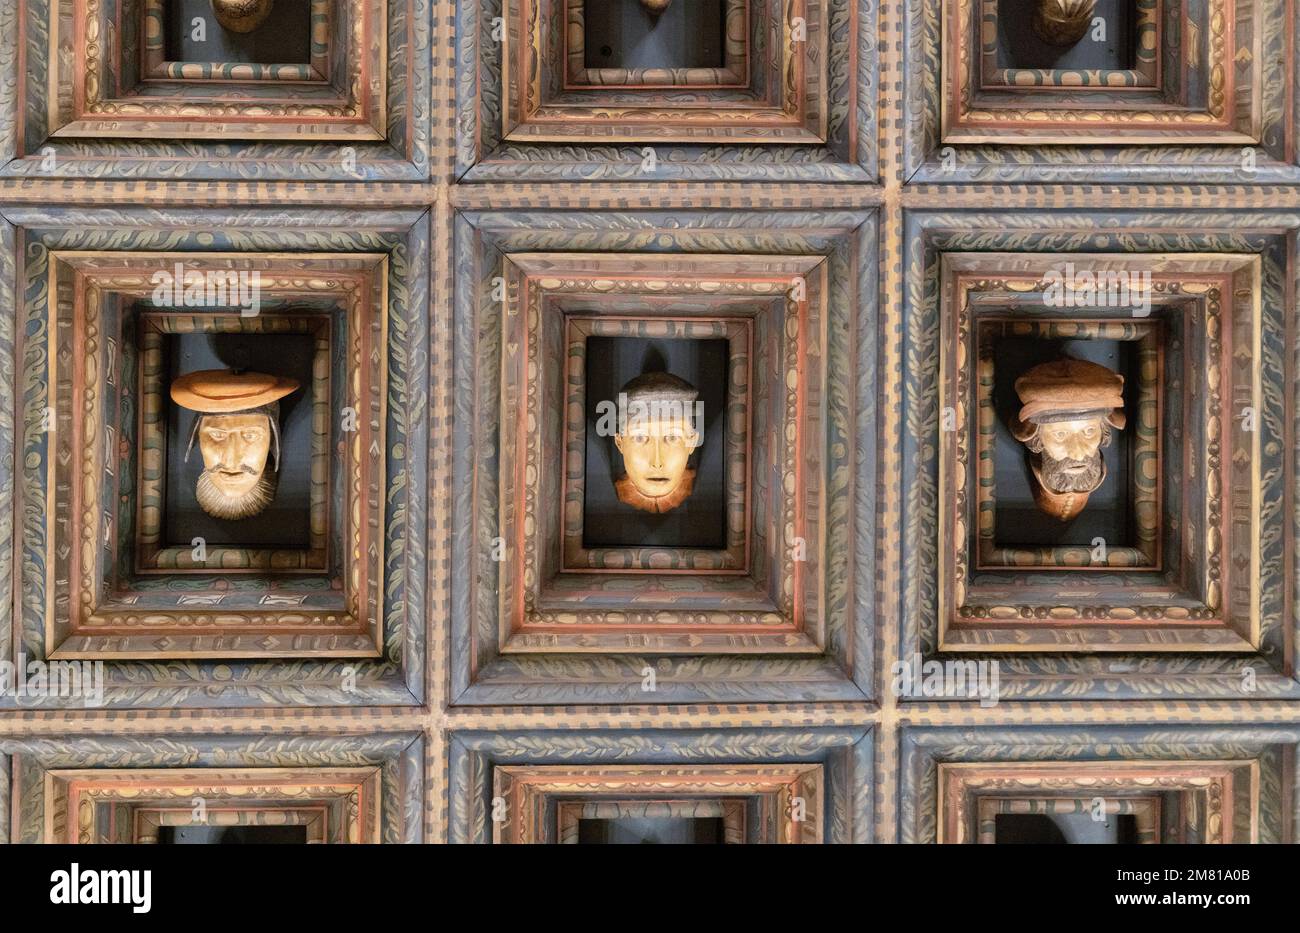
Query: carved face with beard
[235,483]
[237,431]
[1069,410]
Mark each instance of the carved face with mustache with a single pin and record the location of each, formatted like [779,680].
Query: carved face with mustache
[1069,409]
[235,482]
[237,431]
[1071,453]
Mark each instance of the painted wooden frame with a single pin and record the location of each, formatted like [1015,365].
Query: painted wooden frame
[733,557]
[152,555]
[1147,394]
[569,815]
[381,256]
[1217,783]
[105,104]
[1220,112]
[1147,72]
[786,800]
[1056,658]
[759,586]
[136,616]
[370,783]
[797,116]
[573,652]
[783,101]
[130,805]
[1228,114]
[1199,604]
[148,825]
[1204,794]
[829,768]
[322,50]
[96,100]
[733,74]
[1145,810]
[441,682]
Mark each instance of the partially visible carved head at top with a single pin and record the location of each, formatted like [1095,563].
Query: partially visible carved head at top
[1062,22]
[241,15]
[656,6]
[1068,409]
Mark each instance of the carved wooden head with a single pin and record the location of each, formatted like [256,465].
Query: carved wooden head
[1069,408]
[237,431]
[1062,22]
[660,431]
[241,15]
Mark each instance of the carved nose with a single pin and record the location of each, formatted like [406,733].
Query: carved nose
[232,452]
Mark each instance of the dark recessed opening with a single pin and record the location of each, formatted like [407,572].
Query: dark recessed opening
[232,835]
[1018,522]
[1020,47]
[651,831]
[699,521]
[283,38]
[624,34]
[1064,828]
[286,522]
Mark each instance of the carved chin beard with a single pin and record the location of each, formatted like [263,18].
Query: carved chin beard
[628,494]
[222,505]
[1054,476]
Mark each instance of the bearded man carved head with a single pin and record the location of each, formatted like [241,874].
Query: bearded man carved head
[1069,409]
[237,429]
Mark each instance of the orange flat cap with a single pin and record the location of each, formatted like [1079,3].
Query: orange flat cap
[1070,385]
[220,391]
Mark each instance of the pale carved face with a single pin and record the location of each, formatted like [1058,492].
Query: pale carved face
[1071,453]
[1072,440]
[235,448]
[656,452]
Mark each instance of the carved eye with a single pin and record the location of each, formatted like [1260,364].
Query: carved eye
[640,438]
[217,434]
[252,434]
[673,439]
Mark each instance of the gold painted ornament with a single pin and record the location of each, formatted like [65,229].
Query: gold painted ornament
[241,15]
[1062,22]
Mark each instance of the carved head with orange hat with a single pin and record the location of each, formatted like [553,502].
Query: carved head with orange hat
[237,429]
